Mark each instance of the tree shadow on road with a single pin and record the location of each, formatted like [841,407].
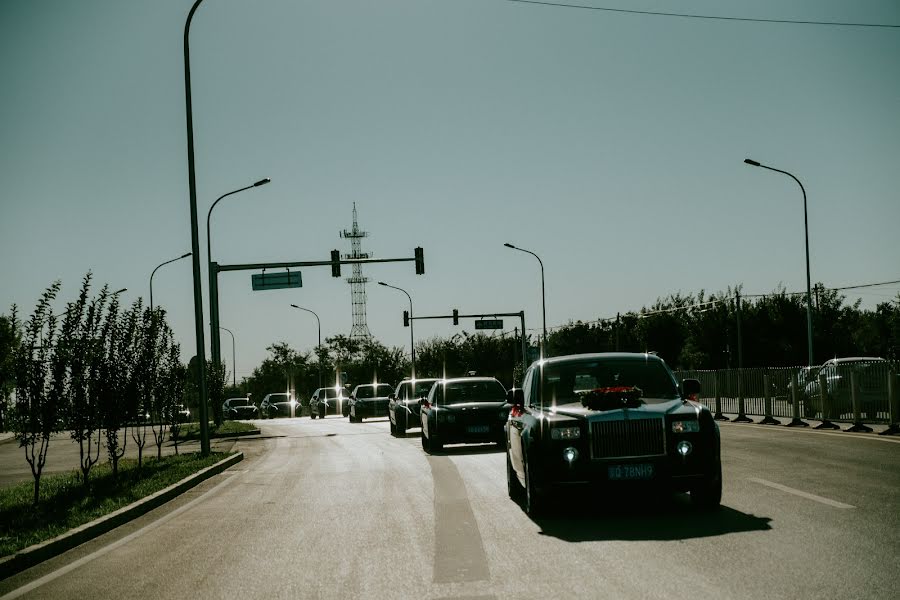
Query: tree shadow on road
[627,518]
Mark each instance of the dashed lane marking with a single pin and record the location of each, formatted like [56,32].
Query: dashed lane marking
[801,493]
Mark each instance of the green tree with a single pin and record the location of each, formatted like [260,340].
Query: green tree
[36,406]
[10,338]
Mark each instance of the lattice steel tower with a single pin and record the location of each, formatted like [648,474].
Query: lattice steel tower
[360,329]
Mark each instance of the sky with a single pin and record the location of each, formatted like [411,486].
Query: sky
[610,144]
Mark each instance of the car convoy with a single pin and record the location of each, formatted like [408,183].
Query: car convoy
[583,421]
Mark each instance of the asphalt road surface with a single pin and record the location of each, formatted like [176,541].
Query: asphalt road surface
[329,509]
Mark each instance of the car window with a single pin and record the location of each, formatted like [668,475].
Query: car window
[329,393]
[562,382]
[365,391]
[278,398]
[238,402]
[460,392]
[422,388]
[383,390]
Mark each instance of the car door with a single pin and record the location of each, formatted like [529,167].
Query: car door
[516,423]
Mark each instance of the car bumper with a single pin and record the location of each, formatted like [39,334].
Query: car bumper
[364,410]
[469,433]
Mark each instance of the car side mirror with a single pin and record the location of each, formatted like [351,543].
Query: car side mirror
[516,397]
[690,387]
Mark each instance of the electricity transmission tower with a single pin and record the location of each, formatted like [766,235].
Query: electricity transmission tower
[360,329]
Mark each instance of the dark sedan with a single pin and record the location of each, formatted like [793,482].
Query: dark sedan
[369,400]
[403,404]
[328,401]
[615,419]
[239,408]
[464,410]
[279,405]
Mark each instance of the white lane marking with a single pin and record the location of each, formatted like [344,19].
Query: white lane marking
[106,549]
[847,435]
[801,493]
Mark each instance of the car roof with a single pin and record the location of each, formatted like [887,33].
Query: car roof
[373,384]
[635,356]
[855,359]
[458,379]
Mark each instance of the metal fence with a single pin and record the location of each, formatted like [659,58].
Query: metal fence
[857,391]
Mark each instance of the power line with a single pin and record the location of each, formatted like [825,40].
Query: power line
[708,17]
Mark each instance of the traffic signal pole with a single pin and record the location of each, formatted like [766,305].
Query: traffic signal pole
[455,316]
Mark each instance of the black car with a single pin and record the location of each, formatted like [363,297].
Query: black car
[403,404]
[328,401]
[464,410]
[615,419]
[369,400]
[278,405]
[239,408]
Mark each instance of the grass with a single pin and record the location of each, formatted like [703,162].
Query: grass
[191,431]
[66,503]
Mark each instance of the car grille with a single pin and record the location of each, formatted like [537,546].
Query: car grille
[617,439]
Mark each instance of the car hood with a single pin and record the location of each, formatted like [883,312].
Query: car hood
[472,406]
[645,409]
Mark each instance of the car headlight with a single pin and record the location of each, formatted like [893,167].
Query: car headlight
[570,454]
[565,433]
[684,447]
[685,426]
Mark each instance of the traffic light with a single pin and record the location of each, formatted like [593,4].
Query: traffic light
[335,263]
[420,261]
[455,317]
[406,318]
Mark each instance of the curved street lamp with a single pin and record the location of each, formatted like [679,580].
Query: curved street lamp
[809,338]
[233,360]
[185,255]
[319,345]
[215,345]
[412,343]
[543,295]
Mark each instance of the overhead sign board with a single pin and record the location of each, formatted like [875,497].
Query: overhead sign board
[276,281]
[489,324]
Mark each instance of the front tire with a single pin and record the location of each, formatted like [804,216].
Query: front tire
[513,487]
[535,501]
[707,495]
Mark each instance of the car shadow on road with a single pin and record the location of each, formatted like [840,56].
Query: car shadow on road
[626,518]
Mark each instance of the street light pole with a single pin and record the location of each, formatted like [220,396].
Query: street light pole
[319,344]
[185,255]
[215,345]
[809,338]
[412,343]
[543,295]
[195,241]
[233,359]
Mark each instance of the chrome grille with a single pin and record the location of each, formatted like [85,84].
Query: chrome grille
[618,439]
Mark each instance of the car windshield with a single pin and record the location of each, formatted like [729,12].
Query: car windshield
[563,381]
[238,402]
[279,398]
[461,392]
[380,390]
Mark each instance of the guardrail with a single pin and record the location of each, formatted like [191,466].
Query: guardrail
[853,392]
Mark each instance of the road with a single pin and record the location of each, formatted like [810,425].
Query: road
[329,509]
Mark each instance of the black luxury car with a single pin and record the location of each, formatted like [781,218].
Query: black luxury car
[239,408]
[463,410]
[610,419]
[403,404]
[328,401]
[369,400]
[279,405]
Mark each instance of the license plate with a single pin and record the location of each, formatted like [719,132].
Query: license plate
[478,429]
[636,471]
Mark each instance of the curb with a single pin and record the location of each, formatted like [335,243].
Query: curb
[32,555]
[217,436]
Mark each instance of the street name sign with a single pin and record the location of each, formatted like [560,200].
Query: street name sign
[489,324]
[276,281]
